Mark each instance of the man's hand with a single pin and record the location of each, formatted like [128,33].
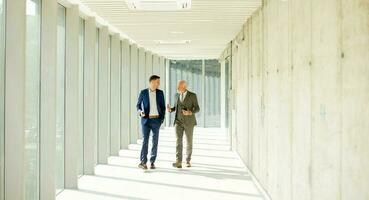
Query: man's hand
[185,112]
[142,114]
[168,108]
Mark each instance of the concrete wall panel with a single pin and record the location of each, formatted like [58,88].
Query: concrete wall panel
[301,101]
[355,102]
[326,101]
[299,98]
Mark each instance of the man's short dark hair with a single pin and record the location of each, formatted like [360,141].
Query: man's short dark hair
[154,77]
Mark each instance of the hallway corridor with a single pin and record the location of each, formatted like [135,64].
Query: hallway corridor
[217,173]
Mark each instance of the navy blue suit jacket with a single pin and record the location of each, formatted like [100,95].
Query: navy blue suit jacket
[143,104]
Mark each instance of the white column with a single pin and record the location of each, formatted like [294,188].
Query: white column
[14,96]
[162,74]
[89,97]
[134,94]
[115,96]
[48,99]
[155,64]
[163,81]
[203,81]
[97,47]
[223,94]
[71,96]
[104,128]
[149,70]
[167,89]
[142,78]
[126,92]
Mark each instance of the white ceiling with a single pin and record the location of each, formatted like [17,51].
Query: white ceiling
[209,25]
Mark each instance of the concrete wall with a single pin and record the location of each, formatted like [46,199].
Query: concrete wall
[301,98]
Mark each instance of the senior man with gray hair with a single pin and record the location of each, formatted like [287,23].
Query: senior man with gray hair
[185,107]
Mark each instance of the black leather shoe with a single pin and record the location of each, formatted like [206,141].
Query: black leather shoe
[142,166]
[188,164]
[152,166]
[177,165]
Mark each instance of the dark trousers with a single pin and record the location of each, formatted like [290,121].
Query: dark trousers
[188,131]
[154,126]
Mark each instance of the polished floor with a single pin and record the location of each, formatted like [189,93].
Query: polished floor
[217,173]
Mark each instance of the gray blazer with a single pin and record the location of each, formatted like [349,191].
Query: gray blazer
[191,103]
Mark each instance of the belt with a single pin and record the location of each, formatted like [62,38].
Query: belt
[153,116]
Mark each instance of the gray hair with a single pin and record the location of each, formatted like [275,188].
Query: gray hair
[182,82]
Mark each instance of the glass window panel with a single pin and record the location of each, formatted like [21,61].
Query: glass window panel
[212,93]
[60,100]
[32,100]
[191,71]
[81,96]
[2,95]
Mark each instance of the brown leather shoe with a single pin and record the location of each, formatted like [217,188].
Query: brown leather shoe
[142,166]
[177,165]
[188,164]
[152,166]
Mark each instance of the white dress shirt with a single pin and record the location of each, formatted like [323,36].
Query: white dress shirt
[153,105]
[182,96]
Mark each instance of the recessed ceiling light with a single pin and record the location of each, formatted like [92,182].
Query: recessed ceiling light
[158,5]
[173,42]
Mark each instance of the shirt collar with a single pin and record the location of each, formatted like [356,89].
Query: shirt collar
[151,90]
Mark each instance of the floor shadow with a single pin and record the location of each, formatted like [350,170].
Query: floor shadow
[215,174]
[193,155]
[198,148]
[241,171]
[167,160]
[178,186]
[173,139]
[104,194]
[202,143]
[197,137]
[200,137]
[204,173]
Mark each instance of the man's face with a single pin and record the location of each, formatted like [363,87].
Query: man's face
[154,84]
[182,87]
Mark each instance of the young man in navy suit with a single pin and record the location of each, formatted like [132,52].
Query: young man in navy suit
[151,108]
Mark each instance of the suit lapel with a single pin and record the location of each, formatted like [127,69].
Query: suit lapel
[157,97]
[148,99]
[157,100]
[186,97]
[176,101]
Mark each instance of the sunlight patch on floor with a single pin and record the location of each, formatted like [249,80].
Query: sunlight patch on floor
[217,173]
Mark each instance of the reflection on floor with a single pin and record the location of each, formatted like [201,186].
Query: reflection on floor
[217,173]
